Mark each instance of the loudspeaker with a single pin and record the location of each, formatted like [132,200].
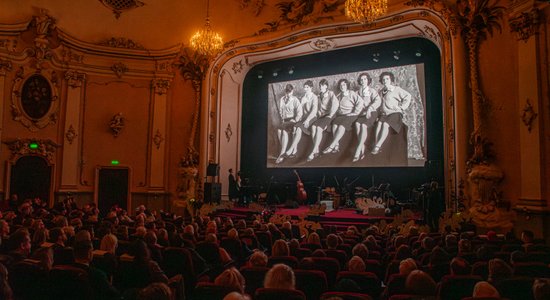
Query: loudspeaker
[212,192]
[213,170]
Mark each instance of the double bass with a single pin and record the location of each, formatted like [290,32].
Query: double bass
[301,194]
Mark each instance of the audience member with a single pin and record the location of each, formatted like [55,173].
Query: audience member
[155,291]
[420,283]
[498,271]
[483,289]
[280,276]
[356,264]
[541,289]
[5,289]
[231,278]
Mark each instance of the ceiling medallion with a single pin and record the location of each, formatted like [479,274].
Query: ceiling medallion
[120,6]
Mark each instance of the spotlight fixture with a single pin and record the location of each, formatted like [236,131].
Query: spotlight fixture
[275,73]
[291,70]
[376,57]
[260,74]
[418,53]
[396,54]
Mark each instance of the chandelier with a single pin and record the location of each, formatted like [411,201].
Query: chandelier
[366,11]
[206,41]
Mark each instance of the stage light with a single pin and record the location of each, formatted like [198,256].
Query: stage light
[376,57]
[291,70]
[418,53]
[396,54]
[260,74]
[275,72]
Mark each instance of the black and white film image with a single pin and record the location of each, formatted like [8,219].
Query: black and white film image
[371,118]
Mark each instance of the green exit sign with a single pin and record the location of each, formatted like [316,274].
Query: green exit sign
[114,162]
[33,145]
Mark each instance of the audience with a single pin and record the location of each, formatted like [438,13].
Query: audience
[420,283]
[231,278]
[280,276]
[483,289]
[155,291]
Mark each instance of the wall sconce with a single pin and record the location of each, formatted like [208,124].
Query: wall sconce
[376,57]
[291,70]
[396,54]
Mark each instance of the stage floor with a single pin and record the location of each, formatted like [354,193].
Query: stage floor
[339,217]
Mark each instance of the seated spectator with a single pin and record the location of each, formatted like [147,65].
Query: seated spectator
[280,276]
[236,296]
[109,243]
[361,251]
[5,289]
[403,252]
[189,233]
[20,244]
[420,283]
[319,253]
[258,259]
[313,242]
[541,288]
[280,248]
[232,279]
[142,271]
[459,266]
[406,266]
[483,289]
[356,264]
[426,246]
[99,283]
[527,238]
[45,257]
[155,291]
[150,239]
[332,241]
[517,257]
[498,271]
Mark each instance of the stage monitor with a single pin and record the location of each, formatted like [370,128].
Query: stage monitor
[366,118]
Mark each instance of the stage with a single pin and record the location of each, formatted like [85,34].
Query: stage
[341,217]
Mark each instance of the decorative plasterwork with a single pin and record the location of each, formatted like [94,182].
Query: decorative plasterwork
[528,115]
[117,124]
[526,24]
[158,139]
[74,78]
[121,42]
[21,147]
[322,44]
[120,6]
[228,132]
[161,86]
[238,66]
[17,111]
[256,5]
[119,68]
[70,135]
[5,66]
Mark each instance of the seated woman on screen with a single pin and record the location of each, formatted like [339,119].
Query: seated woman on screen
[350,107]
[290,112]
[327,108]
[309,104]
[395,101]
[371,102]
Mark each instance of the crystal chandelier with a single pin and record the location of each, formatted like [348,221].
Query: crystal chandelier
[366,11]
[206,41]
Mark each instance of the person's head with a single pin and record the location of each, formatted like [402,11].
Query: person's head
[140,251]
[332,241]
[323,85]
[483,289]
[420,283]
[280,276]
[4,228]
[258,259]
[280,248]
[109,243]
[40,236]
[83,251]
[5,289]
[233,234]
[232,279]
[189,229]
[155,291]
[21,241]
[289,89]
[343,84]
[464,246]
[364,79]
[293,244]
[58,236]
[45,257]
[427,243]
[403,252]
[356,264]
[83,235]
[287,225]
[459,266]
[450,240]
[406,266]
[438,256]
[387,78]
[308,86]
[313,238]
[499,269]
[491,236]
[361,251]
[527,236]
[235,296]
[211,238]
[541,288]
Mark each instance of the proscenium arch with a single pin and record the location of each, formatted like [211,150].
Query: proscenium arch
[222,91]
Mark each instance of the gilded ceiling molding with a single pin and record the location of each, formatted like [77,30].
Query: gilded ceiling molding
[322,44]
[35,98]
[238,66]
[121,42]
[22,147]
[71,134]
[161,86]
[442,8]
[526,24]
[119,69]
[74,78]
[120,6]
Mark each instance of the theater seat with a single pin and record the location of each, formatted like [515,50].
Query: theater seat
[254,278]
[290,261]
[210,291]
[68,282]
[344,296]
[279,294]
[456,287]
[312,282]
[516,288]
[367,281]
[531,269]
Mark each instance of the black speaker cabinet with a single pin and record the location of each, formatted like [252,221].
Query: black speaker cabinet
[213,170]
[212,192]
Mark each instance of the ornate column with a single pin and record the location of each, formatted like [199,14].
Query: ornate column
[525,20]
[72,132]
[5,67]
[158,134]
